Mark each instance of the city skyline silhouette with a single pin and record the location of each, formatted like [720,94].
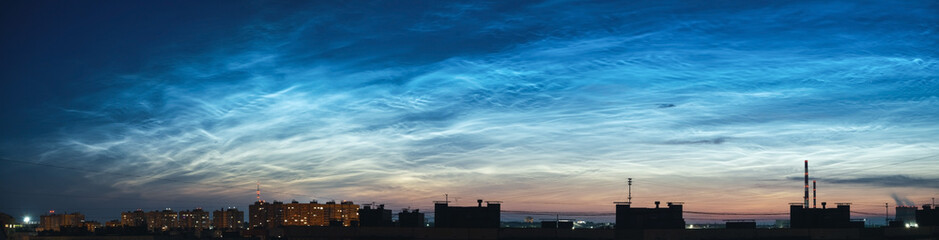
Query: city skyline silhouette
[546,106]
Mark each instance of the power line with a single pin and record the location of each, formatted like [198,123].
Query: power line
[585,214]
[867,213]
[614,214]
[734,214]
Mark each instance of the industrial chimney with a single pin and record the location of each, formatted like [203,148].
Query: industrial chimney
[814,194]
[805,204]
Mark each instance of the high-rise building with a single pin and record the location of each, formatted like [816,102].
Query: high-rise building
[628,217]
[53,221]
[839,217]
[266,215]
[446,216]
[230,218]
[194,219]
[137,218]
[162,220]
[304,214]
[343,214]
[375,217]
[407,218]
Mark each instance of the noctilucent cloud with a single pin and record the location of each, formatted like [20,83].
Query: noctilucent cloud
[546,105]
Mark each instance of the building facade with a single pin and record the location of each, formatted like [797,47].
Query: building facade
[304,214]
[162,220]
[264,214]
[194,219]
[375,217]
[928,216]
[414,219]
[268,215]
[628,217]
[446,216]
[344,214]
[137,218]
[230,218]
[54,222]
[113,224]
[839,217]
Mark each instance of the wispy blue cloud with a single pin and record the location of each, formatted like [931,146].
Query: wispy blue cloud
[534,104]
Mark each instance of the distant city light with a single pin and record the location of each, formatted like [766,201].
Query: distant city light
[26,220]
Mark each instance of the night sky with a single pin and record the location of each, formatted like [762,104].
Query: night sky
[110,106]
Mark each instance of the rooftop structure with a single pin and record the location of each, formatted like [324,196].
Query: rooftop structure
[375,217]
[628,217]
[446,216]
[230,218]
[408,218]
[928,216]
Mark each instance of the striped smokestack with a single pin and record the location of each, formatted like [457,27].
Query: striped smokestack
[814,194]
[806,202]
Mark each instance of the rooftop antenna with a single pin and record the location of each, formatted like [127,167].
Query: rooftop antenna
[259,191]
[446,197]
[629,189]
[805,203]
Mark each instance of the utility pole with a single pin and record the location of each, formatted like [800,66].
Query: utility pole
[886,215]
[557,225]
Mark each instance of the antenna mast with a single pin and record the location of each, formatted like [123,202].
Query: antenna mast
[259,191]
[629,189]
